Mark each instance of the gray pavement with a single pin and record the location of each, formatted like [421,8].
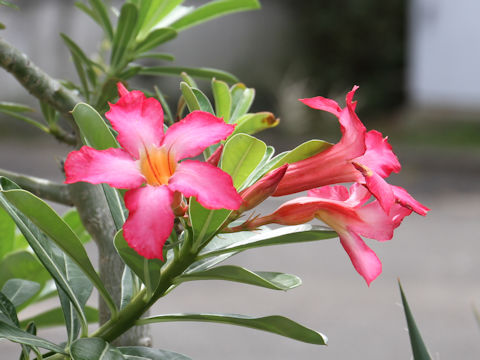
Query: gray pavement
[437,258]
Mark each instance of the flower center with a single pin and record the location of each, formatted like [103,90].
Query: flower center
[157,165]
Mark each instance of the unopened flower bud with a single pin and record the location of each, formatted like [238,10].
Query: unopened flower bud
[262,189]
[215,157]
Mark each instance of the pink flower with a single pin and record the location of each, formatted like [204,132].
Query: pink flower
[152,157]
[359,156]
[350,215]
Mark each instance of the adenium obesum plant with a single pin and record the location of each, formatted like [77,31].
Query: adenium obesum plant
[150,165]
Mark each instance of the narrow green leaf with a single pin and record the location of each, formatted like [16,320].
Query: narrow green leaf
[419,349]
[7,234]
[241,155]
[100,11]
[206,73]
[205,222]
[124,35]
[301,152]
[165,107]
[82,288]
[129,288]
[9,4]
[189,80]
[213,10]
[22,265]
[14,334]
[242,104]
[154,39]
[283,235]
[137,263]
[152,354]
[93,15]
[94,349]
[15,107]
[158,56]
[223,99]
[254,123]
[54,317]
[274,324]
[189,97]
[260,170]
[20,291]
[270,280]
[203,101]
[53,225]
[26,119]
[152,12]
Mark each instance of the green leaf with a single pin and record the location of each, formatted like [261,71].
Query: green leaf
[205,222]
[206,73]
[82,288]
[124,35]
[158,56]
[46,251]
[203,101]
[241,155]
[101,14]
[148,270]
[189,97]
[96,134]
[129,286]
[419,349]
[270,280]
[72,219]
[14,334]
[49,222]
[301,152]
[241,104]
[7,234]
[15,107]
[274,324]
[152,12]
[94,349]
[9,4]
[19,291]
[54,317]
[260,170]
[268,237]
[213,10]
[152,354]
[8,309]
[223,99]
[22,265]
[155,38]
[254,123]
[95,131]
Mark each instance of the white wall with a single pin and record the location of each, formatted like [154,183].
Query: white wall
[444,53]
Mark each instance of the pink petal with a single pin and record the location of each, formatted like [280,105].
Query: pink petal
[377,186]
[335,192]
[138,121]
[114,167]
[190,136]
[212,187]
[405,199]
[375,223]
[379,156]
[150,220]
[332,165]
[364,260]
[321,103]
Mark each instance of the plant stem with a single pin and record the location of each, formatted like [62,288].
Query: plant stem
[43,188]
[141,303]
[38,83]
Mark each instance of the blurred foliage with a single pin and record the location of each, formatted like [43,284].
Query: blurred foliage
[342,43]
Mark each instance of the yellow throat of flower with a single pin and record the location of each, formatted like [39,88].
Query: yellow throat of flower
[157,165]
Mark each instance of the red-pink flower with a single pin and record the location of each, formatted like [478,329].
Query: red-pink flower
[350,215]
[152,157]
[359,156]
